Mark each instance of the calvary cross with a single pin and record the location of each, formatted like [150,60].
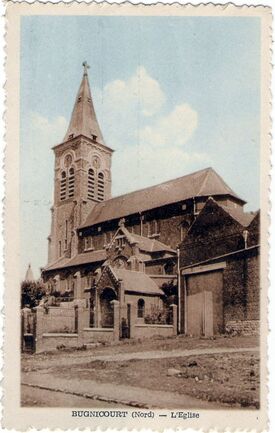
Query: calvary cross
[86,67]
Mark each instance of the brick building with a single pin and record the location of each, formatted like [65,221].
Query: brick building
[220,278]
[104,249]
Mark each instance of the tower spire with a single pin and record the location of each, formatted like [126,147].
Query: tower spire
[83,119]
[29,274]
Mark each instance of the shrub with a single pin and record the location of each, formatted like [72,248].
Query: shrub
[158,316]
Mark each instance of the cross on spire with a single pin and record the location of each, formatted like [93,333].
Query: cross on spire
[86,67]
[83,119]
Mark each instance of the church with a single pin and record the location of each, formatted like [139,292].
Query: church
[127,249]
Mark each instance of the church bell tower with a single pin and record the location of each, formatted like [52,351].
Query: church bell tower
[82,174]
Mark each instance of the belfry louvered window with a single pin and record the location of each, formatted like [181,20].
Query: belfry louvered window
[63,185]
[100,187]
[71,183]
[91,184]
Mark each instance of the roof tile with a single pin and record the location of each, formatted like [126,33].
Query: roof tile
[201,183]
[137,282]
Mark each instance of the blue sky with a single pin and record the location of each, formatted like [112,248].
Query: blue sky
[172,95]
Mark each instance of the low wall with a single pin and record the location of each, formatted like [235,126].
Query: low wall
[69,327]
[57,319]
[245,327]
[92,335]
[147,331]
[51,341]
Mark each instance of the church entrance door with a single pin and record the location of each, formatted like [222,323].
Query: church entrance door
[106,308]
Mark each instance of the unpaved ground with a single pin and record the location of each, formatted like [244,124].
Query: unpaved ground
[223,371]
[230,378]
[35,397]
[69,357]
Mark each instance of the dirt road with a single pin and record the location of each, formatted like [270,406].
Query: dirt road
[130,375]
[32,396]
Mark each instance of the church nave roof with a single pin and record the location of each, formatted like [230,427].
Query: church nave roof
[202,183]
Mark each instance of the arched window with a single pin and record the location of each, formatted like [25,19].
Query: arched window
[91,184]
[71,182]
[63,186]
[140,308]
[100,187]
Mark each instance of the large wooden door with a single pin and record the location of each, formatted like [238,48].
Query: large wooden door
[196,285]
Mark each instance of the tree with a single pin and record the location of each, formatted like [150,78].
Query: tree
[31,293]
[171,292]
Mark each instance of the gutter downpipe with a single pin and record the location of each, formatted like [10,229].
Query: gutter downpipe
[179,290]
[141,223]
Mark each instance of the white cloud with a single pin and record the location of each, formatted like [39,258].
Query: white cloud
[174,129]
[140,92]
[50,131]
[36,185]
[149,145]
[37,157]
[123,106]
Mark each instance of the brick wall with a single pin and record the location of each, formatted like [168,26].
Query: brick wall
[213,234]
[254,231]
[154,268]
[241,287]
[253,288]
[169,219]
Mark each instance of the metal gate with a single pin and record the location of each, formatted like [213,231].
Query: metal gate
[28,328]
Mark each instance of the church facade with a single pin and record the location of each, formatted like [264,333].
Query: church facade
[124,249]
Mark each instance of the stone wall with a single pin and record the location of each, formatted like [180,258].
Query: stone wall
[245,327]
[147,331]
[92,335]
[56,319]
[54,341]
[69,327]
[149,301]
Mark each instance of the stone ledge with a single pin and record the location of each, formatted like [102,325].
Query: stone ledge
[152,325]
[59,334]
[98,329]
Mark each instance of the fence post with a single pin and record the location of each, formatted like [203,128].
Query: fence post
[76,318]
[116,319]
[39,322]
[133,317]
[77,294]
[175,318]
[122,317]
[57,282]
